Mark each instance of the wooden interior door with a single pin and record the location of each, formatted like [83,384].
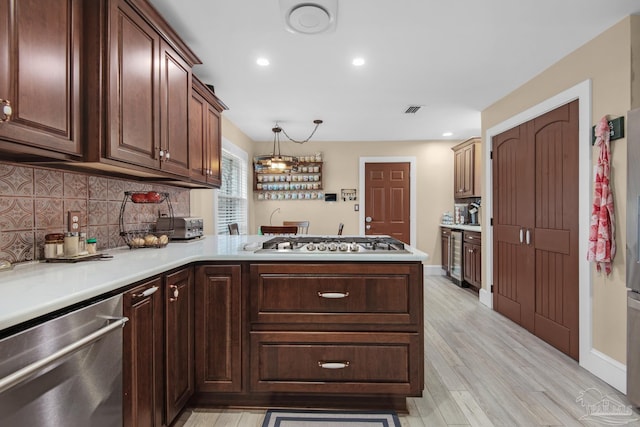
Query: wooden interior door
[387,201]
[513,267]
[535,214]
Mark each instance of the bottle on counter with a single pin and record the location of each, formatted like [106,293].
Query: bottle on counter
[92,245]
[82,243]
[71,244]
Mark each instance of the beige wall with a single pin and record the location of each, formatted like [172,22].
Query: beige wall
[606,60]
[434,163]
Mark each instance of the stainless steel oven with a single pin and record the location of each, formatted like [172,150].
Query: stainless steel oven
[66,371]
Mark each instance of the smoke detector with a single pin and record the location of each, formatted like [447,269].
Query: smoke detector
[311,17]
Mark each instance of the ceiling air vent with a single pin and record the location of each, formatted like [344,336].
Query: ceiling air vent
[412,109]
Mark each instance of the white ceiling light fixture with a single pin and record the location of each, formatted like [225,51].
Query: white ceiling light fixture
[310,17]
[445,134]
[263,62]
[358,62]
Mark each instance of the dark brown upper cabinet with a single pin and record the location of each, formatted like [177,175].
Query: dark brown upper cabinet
[204,135]
[40,48]
[140,88]
[467,168]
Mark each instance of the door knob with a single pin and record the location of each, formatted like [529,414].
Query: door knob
[368,227]
[368,219]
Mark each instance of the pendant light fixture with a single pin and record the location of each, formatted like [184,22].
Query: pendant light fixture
[277,160]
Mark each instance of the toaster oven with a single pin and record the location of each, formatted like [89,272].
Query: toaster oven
[185,228]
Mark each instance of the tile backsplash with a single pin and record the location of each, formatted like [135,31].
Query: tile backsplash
[34,201]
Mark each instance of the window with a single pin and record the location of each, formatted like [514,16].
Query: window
[232,196]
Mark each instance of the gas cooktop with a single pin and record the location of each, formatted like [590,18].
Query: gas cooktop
[331,244]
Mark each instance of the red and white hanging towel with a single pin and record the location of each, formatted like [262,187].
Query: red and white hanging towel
[602,245]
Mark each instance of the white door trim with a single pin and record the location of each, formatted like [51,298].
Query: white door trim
[599,364]
[412,191]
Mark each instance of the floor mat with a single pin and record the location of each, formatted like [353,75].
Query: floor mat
[306,418]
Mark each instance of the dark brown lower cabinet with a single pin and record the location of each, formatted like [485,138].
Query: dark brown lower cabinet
[337,328]
[179,322]
[158,374]
[218,328]
[472,259]
[142,359]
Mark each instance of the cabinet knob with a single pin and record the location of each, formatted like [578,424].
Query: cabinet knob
[167,155]
[6,110]
[173,289]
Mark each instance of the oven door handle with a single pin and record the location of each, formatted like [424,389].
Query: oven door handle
[29,371]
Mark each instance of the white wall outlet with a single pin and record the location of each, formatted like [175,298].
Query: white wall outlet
[73,221]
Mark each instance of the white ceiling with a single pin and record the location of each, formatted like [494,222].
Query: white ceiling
[453,57]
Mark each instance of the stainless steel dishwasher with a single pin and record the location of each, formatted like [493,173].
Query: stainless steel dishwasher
[66,371]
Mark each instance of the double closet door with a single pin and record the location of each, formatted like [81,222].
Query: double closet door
[535,217]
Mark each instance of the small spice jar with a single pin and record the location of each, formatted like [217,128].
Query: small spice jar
[53,245]
[92,245]
[82,243]
[70,244]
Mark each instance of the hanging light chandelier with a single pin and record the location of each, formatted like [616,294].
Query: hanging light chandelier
[277,160]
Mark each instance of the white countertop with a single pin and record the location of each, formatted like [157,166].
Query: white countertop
[463,227]
[35,289]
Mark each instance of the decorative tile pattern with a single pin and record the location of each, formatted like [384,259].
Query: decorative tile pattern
[117,189]
[48,183]
[17,246]
[16,213]
[75,186]
[49,214]
[34,201]
[15,180]
[98,188]
[98,212]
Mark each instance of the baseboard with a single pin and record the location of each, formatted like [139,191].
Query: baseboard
[486,297]
[433,270]
[606,368]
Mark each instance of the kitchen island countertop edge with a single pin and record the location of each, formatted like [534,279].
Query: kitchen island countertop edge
[34,289]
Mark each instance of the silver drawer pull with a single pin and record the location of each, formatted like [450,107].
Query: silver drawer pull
[333,365]
[333,294]
[146,292]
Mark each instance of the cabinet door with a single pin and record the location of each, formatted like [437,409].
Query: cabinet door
[477,271]
[179,375]
[213,146]
[458,173]
[218,323]
[469,263]
[175,94]
[133,88]
[445,249]
[197,138]
[45,97]
[142,359]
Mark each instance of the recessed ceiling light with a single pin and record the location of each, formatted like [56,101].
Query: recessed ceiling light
[447,134]
[358,62]
[263,62]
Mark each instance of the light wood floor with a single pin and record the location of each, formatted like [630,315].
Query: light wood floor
[480,370]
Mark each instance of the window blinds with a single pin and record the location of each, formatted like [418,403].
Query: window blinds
[232,196]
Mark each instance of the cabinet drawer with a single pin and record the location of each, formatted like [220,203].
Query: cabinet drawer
[321,294]
[472,237]
[319,362]
[445,232]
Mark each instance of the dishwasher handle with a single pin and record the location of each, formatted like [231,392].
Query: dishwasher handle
[28,371]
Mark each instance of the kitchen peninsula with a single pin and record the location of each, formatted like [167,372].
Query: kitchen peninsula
[264,328]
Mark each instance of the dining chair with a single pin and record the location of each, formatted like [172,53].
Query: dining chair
[275,230]
[233,228]
[303,226]
[340,227]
